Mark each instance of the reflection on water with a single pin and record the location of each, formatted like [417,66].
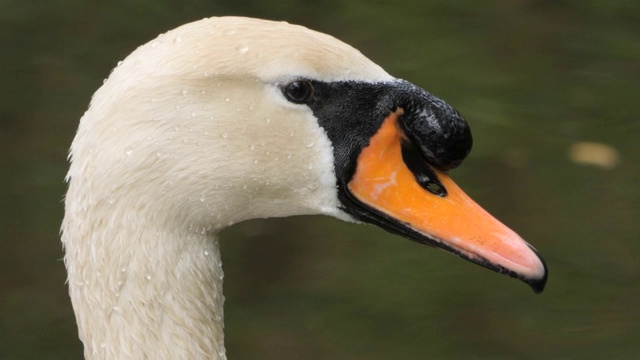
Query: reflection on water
[550,91]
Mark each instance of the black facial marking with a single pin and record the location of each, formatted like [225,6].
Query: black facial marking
[351,113]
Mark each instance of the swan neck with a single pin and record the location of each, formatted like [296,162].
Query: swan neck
[145,295]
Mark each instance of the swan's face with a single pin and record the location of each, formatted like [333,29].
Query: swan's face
[228,119]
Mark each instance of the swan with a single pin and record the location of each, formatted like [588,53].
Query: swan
[227,119]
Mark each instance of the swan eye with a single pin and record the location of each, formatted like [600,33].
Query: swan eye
[299,91]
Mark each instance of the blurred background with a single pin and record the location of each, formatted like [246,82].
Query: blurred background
[551,91]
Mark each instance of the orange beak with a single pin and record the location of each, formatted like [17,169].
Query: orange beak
[453,222]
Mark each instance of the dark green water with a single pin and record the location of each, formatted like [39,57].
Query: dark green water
[535,79]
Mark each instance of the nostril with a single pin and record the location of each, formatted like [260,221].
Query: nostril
[424,175]
[436,188]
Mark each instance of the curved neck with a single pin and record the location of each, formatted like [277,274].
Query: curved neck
[144,292]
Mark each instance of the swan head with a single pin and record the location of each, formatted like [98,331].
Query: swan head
[228,119]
